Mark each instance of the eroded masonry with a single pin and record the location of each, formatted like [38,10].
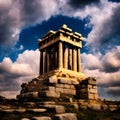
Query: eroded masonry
[60,72]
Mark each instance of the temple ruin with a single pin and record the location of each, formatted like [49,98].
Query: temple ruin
[60,72]
[60,53]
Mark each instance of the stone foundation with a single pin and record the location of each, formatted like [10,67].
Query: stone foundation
[59,87]
[87,89]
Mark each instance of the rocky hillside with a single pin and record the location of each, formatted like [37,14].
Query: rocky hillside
[62,110]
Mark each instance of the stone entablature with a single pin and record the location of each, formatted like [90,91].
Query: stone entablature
[64,34]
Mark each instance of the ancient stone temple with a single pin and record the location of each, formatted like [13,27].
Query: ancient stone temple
[60,73]
[60,53]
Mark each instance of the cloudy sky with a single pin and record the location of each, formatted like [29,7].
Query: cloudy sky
[22,22]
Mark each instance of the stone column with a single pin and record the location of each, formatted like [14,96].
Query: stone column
[60,55]
[45,62]
[49,61]
[74,60]
[65,59]
[78,61]
[41,62]
[56,61]
[70,59]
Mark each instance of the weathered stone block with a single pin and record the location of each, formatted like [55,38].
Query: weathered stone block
[66,116]
[74,82]
[94,87]
[69,91]
[89,80]
[48,103]
[91,96]
[25,119]
[59,85]
[92,82]
[59,90]
[96,96]
[50,88]
[89,86]
[92,91]
[73,92]
[29,104]
[8,110]
[36,110]
[20,110]
[104,107]
[52,80]
[42,118]
[66,91]
[113,107]
[49,94]
[30,95]
[64,81]
[72,87]
[66,86]
[94,106]
[55,108]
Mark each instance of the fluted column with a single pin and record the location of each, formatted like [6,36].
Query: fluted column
[45,62]
[69,58]
[56,63]
[78,60]
[74,60]
[60,55]
[50,68]
[65,60]
[41,62]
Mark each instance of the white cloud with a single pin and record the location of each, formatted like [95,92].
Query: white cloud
[13,74]
[16,15]
[106,70]
[90,61]
[102,15]
[111,61]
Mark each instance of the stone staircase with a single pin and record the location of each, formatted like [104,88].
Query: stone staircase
[48,110]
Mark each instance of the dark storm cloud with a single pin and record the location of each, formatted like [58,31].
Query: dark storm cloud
[13,74]
[81,3]
[9,84]
[114,91]
[111,29]
[7,25]
[18,14]
[111,61]
[31,11]
[35,11]
[106,34]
